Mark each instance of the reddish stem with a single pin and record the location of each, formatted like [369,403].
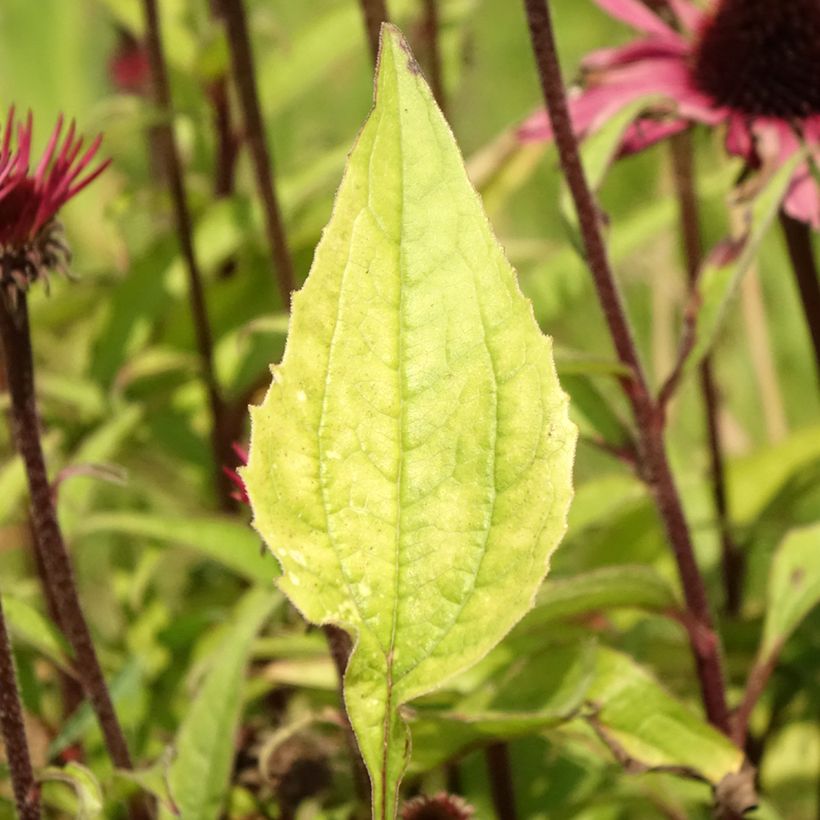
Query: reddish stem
[59,574]
[375,13]
[220,445]
[703,639]
[755,686]
[801,255]
[236,25]
[731,557]
[26,793]
[497,757]
[430,31]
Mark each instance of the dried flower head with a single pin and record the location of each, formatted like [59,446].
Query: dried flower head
[441,806]
[31,240]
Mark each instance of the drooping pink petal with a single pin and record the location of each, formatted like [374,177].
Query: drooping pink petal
[637,15]
[802,201]
[648,48]
[690,16]
[645,132]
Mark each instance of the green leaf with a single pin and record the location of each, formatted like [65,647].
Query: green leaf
[722,272]
[199,776]
[794,586]
[224,540]
[85,785]
[411,465]
[648,729]
[627,585]
[29,626]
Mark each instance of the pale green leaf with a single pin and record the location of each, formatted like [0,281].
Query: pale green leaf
[720,277]
[647,728]
[794,586]
[85,785]
[198,777]
[223,540]
[29,626]
[411,465]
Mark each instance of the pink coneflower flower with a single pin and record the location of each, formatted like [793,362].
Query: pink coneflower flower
[240,492]
[442,806]
[31,241]
[749,64]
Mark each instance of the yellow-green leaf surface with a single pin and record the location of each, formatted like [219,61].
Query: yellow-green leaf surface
[410,466]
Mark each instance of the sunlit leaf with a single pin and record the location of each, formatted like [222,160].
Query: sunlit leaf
[411,464]
[198,777]
[647,728]
[794,586]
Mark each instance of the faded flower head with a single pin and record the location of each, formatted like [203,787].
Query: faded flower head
[31,241]
[442,806]
[750,65]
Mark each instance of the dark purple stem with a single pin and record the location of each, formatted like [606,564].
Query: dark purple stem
[497,756]
[731,557]
[48,540]
[430,30]
[236,25]
[173,170]
[704,640]
[801,254]
[26,793]
[375,13]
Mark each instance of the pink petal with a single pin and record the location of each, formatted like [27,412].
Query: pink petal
[637,15]
[802,200]
[690,16]
[649,48]
[646,132]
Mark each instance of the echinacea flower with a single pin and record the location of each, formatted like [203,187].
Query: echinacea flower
[31,242]
[749,64]
[240,492]
[441,806]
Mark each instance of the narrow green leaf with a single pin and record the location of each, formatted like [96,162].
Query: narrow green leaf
[794,586]
[647,728]
[411,465]
[29,626]
[720,277]
[199,776]
[223,540]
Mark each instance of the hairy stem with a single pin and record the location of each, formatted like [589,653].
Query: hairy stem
[220,446]
[703,638]
[26,793]
[53,556]
[801,254]
[236,25]
[375,13]
[497,756]
[731,558]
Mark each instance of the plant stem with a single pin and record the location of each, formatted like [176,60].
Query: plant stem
[497,756]
[798,243]
[239,43]
[731,558]
[173,170]
[430,30]
[340,646]
[755,686]
[704,640]
[375,13]
[26,793]
[14,328]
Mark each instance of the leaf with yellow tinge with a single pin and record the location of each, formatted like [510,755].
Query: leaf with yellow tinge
[410,466]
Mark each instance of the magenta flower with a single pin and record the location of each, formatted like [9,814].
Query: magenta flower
[750,65]
[31,241]
[240,492]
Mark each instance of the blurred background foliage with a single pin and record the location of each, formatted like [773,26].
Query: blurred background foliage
[162,570]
